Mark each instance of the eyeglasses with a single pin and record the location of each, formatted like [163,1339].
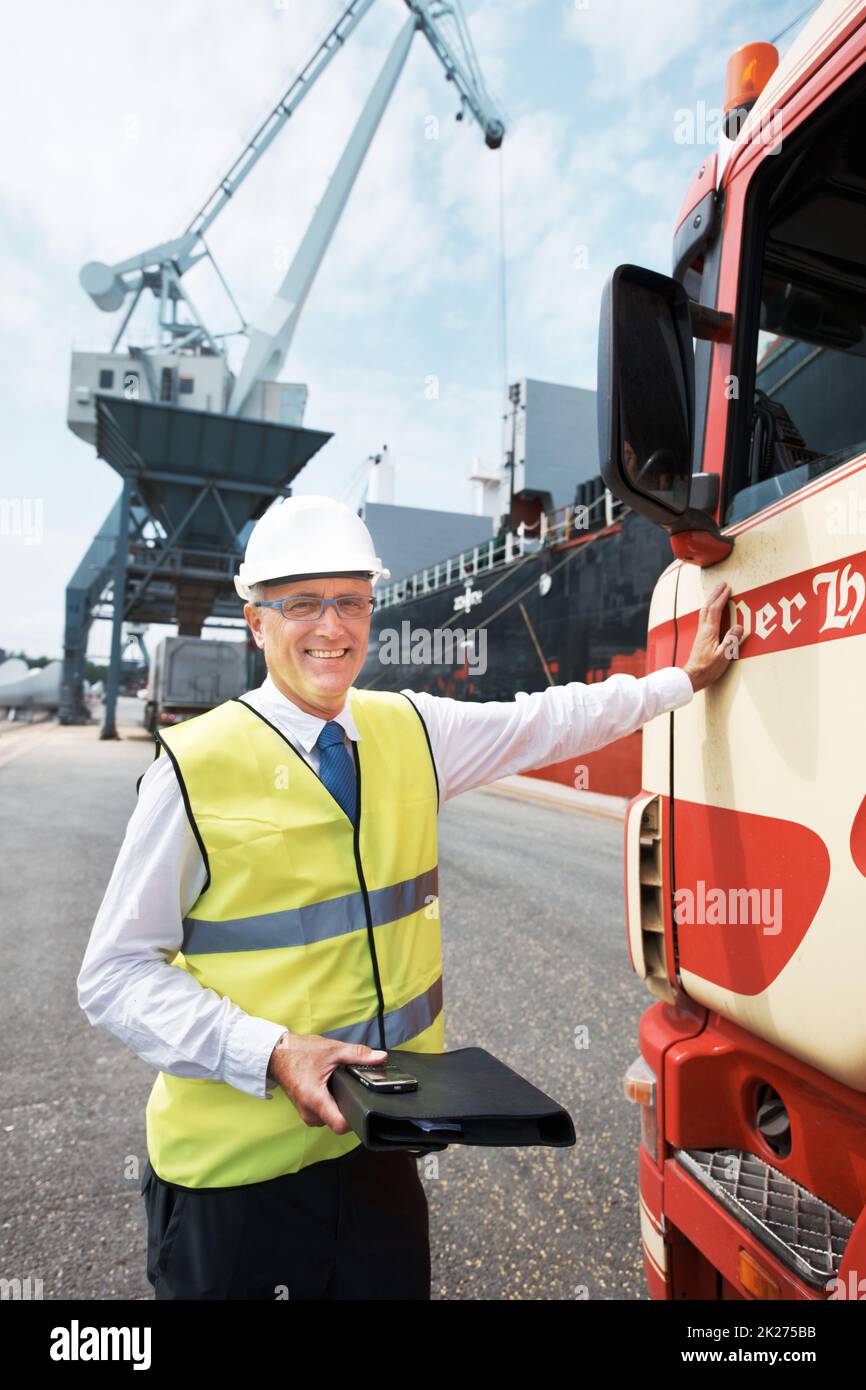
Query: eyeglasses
[311,606]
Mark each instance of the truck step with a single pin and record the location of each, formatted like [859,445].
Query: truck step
[801,1230]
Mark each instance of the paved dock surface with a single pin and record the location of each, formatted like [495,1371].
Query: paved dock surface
[535,970]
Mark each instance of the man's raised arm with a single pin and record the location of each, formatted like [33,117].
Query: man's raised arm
[477,743]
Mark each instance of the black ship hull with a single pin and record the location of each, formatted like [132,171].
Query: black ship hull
[572,611]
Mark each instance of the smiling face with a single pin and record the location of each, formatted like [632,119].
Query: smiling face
[312,662]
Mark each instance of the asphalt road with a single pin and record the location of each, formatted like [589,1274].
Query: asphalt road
[535,970]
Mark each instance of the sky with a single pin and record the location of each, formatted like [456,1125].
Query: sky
[121,119]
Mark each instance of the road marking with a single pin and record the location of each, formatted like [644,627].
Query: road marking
[558,805]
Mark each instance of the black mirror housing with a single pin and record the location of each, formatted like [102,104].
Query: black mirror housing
[646,393]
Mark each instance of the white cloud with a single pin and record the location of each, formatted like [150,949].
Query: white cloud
[630,41]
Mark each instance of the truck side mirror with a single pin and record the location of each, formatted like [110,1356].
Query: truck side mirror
[646,392]
[646,408]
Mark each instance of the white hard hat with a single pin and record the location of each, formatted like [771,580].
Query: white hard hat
[307,536]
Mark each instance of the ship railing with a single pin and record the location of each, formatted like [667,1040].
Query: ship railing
[551,528]
[568,523]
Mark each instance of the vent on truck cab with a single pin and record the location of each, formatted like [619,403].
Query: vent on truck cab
[652,920]
[804,1232]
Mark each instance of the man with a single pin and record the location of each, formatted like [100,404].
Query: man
[273,913]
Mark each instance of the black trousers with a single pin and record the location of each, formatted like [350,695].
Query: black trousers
[353,1227]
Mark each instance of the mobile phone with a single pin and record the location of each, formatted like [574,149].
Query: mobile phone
[384,1077]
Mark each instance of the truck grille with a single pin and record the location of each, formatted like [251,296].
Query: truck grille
[806,1234]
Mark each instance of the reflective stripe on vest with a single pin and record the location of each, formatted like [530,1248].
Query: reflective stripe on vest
[305,920]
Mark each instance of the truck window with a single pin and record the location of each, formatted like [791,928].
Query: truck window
[803,344]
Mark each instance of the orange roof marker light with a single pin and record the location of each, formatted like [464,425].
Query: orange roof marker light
[749,70]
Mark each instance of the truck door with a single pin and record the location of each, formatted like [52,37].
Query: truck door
[769,765]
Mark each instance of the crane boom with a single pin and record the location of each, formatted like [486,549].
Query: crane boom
[108,286]
[273,123]
[463,70]
[160,268]
[271,337]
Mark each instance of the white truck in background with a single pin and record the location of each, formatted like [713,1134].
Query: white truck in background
[189,675]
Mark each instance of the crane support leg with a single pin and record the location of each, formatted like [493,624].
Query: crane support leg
[109,727]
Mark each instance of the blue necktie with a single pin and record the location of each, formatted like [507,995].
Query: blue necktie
[336,768]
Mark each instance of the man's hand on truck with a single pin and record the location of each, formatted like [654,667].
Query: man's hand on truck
[710,655]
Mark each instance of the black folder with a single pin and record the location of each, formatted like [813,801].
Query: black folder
[463,1097]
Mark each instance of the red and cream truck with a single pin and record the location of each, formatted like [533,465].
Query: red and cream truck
[732,412]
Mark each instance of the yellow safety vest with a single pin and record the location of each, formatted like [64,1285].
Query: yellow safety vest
[304,920]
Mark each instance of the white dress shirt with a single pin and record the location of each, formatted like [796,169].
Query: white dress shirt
[127,983]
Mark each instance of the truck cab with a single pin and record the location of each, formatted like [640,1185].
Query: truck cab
[732,412]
